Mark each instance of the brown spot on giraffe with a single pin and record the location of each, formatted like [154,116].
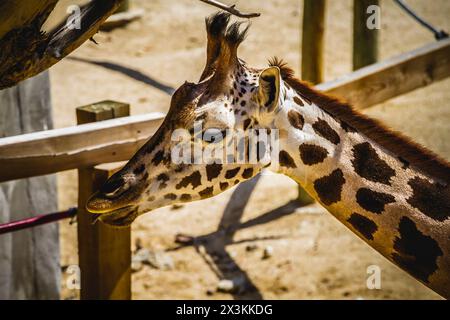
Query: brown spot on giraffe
[373,201]
[432,199]
[223,186]
[298,101]
[323,129]
[213,170]
[193,179]
[158,158]
[163,178]
[369,165]
[286,160]
[296,119]
[312,154]
[206,193]
[232,173]
[415,252]
[329,188]
[247,173]
[170,196]
[363,225]
[185,197]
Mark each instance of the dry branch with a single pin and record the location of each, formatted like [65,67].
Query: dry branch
[26,51]
[231,9]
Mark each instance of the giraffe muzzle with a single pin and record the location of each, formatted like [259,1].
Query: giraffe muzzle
[122,217]
[112,213]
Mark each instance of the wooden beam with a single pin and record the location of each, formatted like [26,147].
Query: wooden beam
[393,77]
[62,149]
[365,40]
[125,6]
[312,70]
[103,110]
[313,41]
[117,140]
[17,14]
[104,251]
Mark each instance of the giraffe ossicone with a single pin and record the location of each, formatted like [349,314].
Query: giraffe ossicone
[391,192]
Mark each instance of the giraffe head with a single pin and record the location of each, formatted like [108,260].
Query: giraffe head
[203,145]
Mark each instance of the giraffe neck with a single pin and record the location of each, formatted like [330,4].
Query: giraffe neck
[392,206]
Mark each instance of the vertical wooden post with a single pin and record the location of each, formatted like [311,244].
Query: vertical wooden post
[125,6]
[365,40]
[104,251]
[312,41]
[312,55]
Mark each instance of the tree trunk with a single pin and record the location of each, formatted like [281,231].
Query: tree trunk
[26,51]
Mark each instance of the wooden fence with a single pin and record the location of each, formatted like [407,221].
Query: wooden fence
[104,252]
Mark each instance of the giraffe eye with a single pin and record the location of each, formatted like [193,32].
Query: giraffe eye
[214,135]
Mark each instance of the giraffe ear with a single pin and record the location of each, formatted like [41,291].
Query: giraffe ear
[269,88]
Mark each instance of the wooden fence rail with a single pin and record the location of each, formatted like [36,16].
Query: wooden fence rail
[73,147]
[118,139]
[393,77]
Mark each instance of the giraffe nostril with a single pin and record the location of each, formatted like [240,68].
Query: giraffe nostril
[113,188]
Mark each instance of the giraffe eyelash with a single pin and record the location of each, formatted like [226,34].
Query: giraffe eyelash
[223,134]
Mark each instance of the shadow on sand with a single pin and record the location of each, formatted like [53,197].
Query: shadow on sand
[214,244]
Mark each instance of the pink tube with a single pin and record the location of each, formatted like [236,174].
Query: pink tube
[36,221]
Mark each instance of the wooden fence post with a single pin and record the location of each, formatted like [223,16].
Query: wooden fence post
[125,6]
[104,251]
[312,40]
[365,40]
[312,55]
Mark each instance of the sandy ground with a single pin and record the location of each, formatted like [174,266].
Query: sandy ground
[314,256]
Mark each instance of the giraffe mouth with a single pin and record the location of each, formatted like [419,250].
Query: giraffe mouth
[122,217]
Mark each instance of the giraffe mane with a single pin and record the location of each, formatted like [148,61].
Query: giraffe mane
[416,155]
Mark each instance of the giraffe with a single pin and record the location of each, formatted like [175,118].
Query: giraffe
[388,190]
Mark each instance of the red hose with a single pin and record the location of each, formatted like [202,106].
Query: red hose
[36,221]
